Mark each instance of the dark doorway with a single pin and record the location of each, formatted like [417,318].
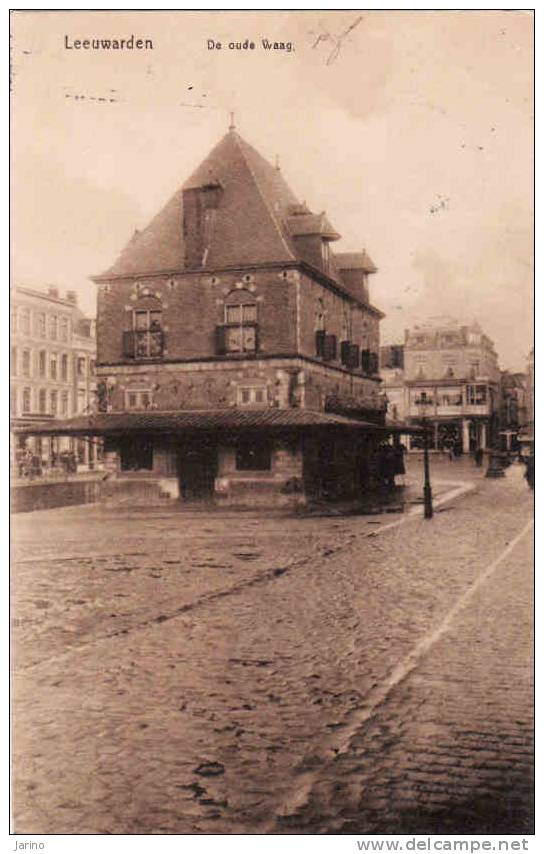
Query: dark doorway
[197,467]
[326,461]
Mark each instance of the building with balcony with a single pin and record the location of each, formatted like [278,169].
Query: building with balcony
[237,352]
[452,380]
[448,374]
[52,369]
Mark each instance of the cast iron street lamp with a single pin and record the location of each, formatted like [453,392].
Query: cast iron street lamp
[427,492]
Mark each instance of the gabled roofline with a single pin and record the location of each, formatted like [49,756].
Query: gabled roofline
[271,213]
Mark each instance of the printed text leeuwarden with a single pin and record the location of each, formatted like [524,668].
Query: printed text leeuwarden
[130,43]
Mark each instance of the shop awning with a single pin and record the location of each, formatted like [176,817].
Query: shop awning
[152,421]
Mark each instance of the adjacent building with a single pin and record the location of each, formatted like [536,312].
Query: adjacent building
[513,412]
[392,375]
[446,374]
[237,352]
[52,369]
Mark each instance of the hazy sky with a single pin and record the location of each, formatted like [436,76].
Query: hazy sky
[415,136]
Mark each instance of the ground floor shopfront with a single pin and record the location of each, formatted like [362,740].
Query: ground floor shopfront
[277,458]
[37,454]
[282,468]
[460,435]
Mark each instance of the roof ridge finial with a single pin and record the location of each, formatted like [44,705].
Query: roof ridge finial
[232,126]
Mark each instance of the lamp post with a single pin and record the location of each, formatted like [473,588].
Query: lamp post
[427,492]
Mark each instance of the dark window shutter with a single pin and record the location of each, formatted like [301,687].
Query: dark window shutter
[354,359]
[330,348]
[345,352]
[365,361]
[128,344]
[320,343]
[374,363]
[220,342]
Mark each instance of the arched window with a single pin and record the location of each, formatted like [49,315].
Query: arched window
[240,329]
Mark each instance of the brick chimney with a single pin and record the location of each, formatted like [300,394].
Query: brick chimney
[71,296]
[199,206]
[53,292]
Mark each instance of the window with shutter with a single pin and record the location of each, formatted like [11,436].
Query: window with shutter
[365,361]
[354,358]
[320,342]
[220,346]
[128,344]
[330,348]
[345,353]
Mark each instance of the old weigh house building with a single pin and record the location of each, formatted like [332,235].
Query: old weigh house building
[237,354]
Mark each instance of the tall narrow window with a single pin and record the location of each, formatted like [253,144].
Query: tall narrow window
[53,401]
[53,326]
[26,400]
[64,367]
[64,403]
[63,329]
[240,330]
[42,401]
[42,330]
[26,363]
[145,339]
[42,361]
[53,366]
[13,362]
[25,321]
[13,401]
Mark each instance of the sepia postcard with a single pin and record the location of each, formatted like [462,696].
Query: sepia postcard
[272,428]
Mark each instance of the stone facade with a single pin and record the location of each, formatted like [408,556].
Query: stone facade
[448,373]
[52,368]
[232,300]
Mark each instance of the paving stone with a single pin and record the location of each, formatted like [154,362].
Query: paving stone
[285,681]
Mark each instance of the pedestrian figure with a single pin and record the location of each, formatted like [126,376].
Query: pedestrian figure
[478,457]
[399,451]
[387,465]
[530,471]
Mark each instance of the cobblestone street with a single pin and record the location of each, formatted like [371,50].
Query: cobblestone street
[189,672]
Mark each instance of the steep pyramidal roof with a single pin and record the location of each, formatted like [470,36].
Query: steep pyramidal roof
[257,220]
